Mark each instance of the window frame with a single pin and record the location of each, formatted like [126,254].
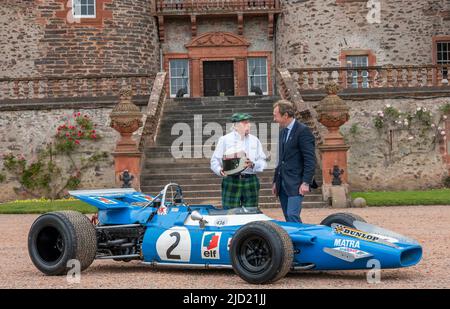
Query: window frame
[372,60]
[257,75]
[365,74]
[179,77]
[75,2]
[436,41]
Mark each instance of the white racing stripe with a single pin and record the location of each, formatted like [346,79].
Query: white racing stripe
[228,220]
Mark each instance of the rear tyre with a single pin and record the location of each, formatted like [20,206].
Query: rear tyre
[342,218]
[55,238]
[261,252]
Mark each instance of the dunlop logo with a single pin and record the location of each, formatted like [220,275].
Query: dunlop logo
[347,231]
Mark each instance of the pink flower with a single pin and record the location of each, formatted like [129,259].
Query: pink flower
[77,142]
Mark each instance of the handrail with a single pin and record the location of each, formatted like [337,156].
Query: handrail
[152,115]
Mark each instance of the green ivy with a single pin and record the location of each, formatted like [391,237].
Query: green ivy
[445,108]
[354,129]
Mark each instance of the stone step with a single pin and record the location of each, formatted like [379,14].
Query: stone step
[190,186]
[167,147]
[166,138]
[180,174]
[224,110]
[263,193]
[215,113]
[275,204]
[168,124]
[221,100]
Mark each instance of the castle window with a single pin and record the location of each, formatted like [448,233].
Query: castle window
[358,61]
[443,56]
[257,76]
[179,78]
[83,8]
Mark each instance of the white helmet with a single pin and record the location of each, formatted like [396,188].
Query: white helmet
[233,161]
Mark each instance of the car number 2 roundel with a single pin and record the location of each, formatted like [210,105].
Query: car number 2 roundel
[174,245]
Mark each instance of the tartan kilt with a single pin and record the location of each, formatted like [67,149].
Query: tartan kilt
[238,192]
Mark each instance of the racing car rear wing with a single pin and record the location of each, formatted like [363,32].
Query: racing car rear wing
[103,192]
[105,199]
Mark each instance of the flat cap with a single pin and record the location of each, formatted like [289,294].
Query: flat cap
[237,117]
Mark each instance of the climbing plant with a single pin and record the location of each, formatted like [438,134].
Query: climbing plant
[404,133]
[60,165]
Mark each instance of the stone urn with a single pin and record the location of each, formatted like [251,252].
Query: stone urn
[332,112]
[126,118]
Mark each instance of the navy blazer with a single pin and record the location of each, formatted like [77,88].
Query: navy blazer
[296,160]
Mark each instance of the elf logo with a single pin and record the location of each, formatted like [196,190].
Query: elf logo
[210,245]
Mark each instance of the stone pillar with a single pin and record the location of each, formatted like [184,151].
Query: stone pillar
[333,112]
[126,118]
[241,77]
[195,78]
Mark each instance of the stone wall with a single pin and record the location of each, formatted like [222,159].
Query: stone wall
[178,32]
[409,167]
[39,37]
[313,33]
[25,132]
[19,37]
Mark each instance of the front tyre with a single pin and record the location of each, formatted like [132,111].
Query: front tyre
[343,218]
[261,252]
[58,237]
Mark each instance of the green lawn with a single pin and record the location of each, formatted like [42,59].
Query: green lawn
[397,198]
[32,207]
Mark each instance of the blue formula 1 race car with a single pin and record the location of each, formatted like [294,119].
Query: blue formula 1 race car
[163,231]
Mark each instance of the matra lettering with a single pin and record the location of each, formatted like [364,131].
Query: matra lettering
[339,242]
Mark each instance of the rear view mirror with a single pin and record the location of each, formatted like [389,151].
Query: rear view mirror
[196,216]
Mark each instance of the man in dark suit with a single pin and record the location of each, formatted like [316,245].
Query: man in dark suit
[296,161]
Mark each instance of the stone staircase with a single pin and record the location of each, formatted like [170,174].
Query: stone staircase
[200,185]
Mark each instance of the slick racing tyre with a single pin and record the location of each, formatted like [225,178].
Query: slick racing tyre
[55,238]
[342,218]
[261,252]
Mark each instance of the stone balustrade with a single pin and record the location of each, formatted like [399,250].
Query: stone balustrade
[153,113]
[199,6]
[76,86]
[410,76]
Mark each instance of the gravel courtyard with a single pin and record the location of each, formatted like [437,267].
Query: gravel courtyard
[430,225]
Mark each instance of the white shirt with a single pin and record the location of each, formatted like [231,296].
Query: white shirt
[289,128]
[250,144]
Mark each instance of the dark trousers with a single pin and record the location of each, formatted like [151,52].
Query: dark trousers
[291,206]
